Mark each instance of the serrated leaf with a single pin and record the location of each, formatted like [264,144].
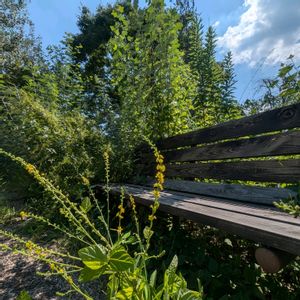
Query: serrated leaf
[94,257]
[119,259]
[88,274]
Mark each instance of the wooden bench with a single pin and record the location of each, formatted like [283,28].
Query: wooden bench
[262,148]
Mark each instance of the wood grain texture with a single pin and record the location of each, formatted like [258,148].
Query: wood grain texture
[278,119]
[237,192]
[287,171]
[271,145]
[271,228]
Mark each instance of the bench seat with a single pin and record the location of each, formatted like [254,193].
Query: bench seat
[261,223]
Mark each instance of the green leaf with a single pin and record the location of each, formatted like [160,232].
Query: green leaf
[153,278]
[24,296]
[93,256]
[190,295]
[173,265]
[125,294]
[284,70]
[147,233]
[86,204]
[119,259]
[88,274]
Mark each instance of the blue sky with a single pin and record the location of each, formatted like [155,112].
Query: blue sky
[260,33]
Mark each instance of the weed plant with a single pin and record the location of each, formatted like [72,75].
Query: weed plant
[119,256]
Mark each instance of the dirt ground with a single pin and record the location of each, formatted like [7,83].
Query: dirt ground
[18,273]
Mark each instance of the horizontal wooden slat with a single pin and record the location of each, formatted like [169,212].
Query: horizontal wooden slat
[283,233]
[278,119]
[263,211]
[266,170]
[271,145]
[237,192]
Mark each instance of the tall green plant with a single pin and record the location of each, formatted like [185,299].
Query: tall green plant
[103,253]
[149,74]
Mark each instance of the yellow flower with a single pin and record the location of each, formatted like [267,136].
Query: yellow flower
[159,159]
[156,193]
[119,230]
[85,181]
[151,218]
[160,177]
[161,168]
[23,215]
[30,168]
[70,280]
[132,202]
[29,245]
[158,186]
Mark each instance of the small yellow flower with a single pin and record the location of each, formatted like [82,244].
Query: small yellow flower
[52,266]
[70,280]
[151,218]
[23,215]
[30,168]
[158,186]
[29,245]
[161,168]
[85,181]
[160,177]
[132,202]
[156,193]
[119,230]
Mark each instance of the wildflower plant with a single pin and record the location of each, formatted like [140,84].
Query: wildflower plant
[103,253]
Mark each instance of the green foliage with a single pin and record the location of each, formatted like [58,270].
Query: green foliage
[149,74]
[24,296]
[104,254]
[282,90]
[214,101]
[291,206]
[64,145]
[20,50]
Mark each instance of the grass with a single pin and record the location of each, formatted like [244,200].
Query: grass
[7,210]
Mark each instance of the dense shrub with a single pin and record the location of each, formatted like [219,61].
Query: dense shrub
[63,144]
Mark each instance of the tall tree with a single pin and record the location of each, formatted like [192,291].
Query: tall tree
[21,50]
[149,72]
[229,105]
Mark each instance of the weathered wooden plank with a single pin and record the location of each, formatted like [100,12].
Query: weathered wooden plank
[287,171]
[280,235]
[270,145]
[237,192]
[262,211]
[278,119]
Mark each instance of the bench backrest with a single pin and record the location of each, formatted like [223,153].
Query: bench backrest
[261,148]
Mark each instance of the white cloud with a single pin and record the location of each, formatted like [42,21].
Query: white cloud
[267,29]
[216,24]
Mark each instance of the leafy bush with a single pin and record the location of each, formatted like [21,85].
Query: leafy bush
[62,144]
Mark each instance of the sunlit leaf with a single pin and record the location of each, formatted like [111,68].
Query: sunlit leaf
[94,257]
[120,260]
